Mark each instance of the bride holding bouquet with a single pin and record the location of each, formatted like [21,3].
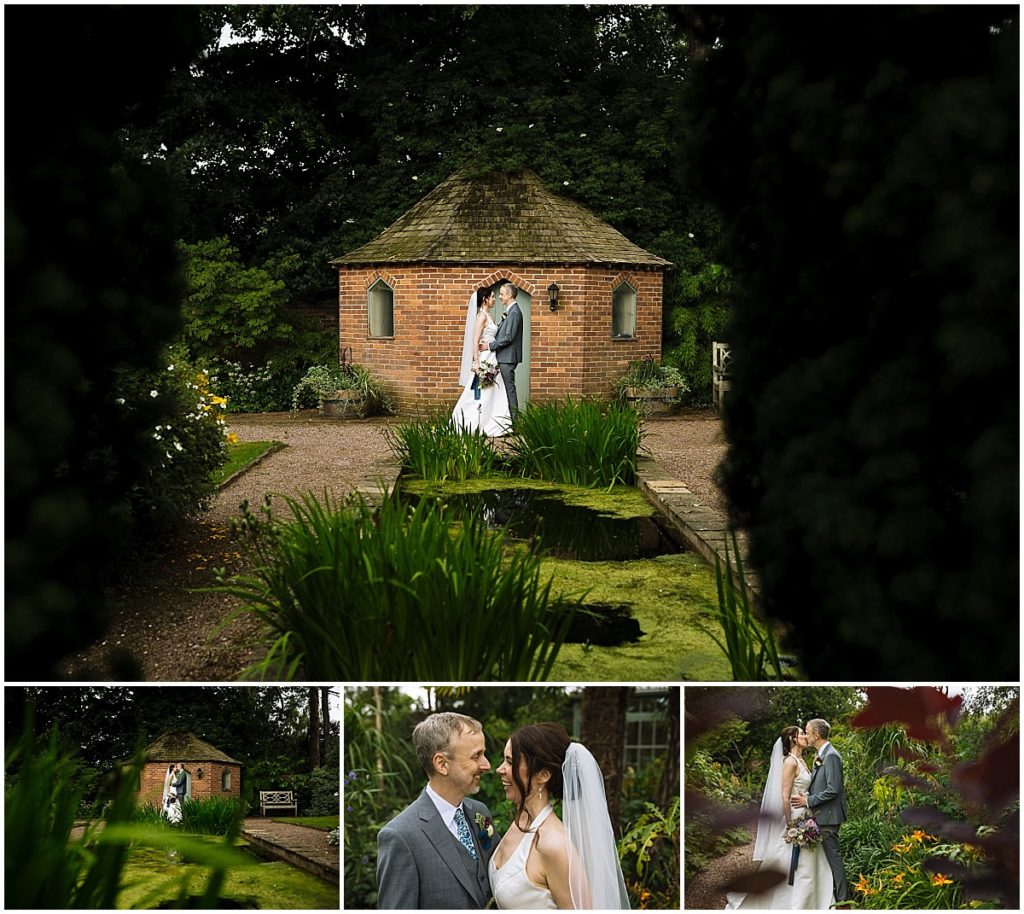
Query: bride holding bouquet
[483,406]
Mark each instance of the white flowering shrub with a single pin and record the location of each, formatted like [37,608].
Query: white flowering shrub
[187,443]
[253,388]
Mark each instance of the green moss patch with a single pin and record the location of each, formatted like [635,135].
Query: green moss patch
[152,876]
[670,596]
[620,501]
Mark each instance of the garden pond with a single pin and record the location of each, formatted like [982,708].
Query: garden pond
[152,878]
[647,602]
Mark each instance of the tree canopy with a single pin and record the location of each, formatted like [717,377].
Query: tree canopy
[315,127]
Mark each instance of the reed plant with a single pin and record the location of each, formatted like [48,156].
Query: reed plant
[396,593]
[434,448]
[583,442]
[750,647]
[211,815]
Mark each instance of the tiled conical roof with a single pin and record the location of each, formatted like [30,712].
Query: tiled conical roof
[178,746]
[499,218]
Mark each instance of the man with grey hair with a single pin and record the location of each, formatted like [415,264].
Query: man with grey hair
[508,343]
[434,853]
[826,801]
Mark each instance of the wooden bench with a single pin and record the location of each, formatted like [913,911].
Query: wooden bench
[277,799]
[721,380]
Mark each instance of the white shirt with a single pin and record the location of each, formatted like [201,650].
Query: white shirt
[446,810]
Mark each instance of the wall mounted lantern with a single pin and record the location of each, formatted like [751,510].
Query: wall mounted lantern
[553,297]
[199,773]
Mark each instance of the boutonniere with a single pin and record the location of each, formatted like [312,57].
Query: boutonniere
[818,761]
[485,829]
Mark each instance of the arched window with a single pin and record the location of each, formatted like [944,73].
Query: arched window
[225,779]
[624,312]
[380,308]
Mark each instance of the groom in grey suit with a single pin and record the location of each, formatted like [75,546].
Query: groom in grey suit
[826,801]
[433,854]
[507,344]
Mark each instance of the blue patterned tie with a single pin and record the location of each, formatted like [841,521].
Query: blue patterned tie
[462,827]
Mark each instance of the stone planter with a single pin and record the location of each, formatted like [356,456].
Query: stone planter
[345,404]
[653,400]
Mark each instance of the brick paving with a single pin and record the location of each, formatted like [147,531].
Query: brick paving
[299,845]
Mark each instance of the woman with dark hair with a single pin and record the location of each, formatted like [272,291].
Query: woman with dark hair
[808,886]
[483,406]
[547,862]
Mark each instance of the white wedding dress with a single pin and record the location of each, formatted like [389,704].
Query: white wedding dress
[812,882]
[511,886]
[490,413]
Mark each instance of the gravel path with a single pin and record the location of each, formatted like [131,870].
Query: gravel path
[702,890]
[163,630]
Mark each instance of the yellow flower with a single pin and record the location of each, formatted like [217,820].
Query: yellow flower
[939,879]
[863,886]
[232,438]
[920,835]
[897,880]
[220,401]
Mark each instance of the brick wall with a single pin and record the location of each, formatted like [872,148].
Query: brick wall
[572,350]
[209,785]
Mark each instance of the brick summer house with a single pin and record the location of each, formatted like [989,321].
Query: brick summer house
[209,772]
[402,297]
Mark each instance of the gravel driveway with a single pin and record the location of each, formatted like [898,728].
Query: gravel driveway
[163,630]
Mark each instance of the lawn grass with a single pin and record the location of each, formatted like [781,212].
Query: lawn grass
[241,456]
[152,876]
[324,822]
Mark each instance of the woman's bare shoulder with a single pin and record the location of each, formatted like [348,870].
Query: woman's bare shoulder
[551,839]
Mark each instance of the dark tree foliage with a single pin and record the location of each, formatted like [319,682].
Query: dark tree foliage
[865,160]
[92,288]
[320,125]
[103,726]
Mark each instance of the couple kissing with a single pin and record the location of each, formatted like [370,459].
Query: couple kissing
[795,795]
[442,851]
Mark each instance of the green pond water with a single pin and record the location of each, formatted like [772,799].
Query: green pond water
[154,876]
[615,548]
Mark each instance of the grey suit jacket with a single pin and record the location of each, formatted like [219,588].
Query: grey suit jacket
[826,795]
[420,864]
[508,341]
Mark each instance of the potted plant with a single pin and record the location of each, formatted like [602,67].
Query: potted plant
[651,387]
[342,391]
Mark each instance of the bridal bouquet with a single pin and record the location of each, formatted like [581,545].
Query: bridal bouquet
[487,370]
[803,832]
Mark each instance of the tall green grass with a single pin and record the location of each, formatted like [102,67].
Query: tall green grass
[211,815]
[579,442]
[396,594]
[750,647]
[45,867]
[435,448]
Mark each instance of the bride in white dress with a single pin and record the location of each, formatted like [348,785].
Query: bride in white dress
[483,409]
[788,776]
[542,861]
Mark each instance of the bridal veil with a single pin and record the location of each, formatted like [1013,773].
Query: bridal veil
[595,876]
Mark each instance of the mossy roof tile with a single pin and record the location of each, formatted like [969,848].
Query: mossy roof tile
[179,746]
[500,218]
